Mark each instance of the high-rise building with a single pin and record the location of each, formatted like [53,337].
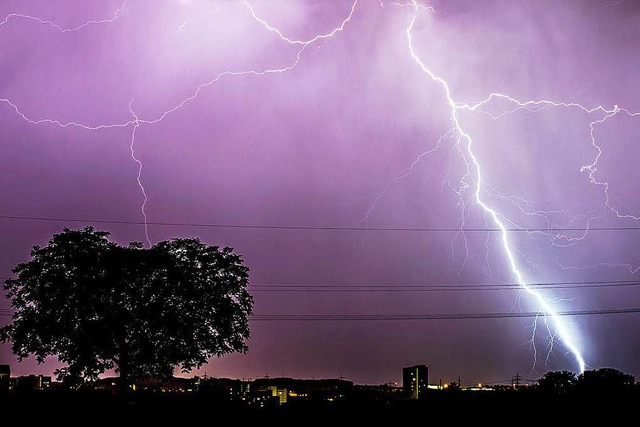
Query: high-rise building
[280,393]
[415,380]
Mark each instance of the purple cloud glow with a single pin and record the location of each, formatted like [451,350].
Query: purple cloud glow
[237,124]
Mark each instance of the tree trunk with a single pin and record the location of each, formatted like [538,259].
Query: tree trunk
[123,367]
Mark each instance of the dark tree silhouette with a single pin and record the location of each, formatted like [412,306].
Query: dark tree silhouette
[97,305]
[605,380]
[557,382]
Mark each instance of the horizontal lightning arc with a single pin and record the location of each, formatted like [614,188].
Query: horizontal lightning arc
[52,24]
[302,43]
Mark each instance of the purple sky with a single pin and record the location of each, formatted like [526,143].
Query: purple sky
[329,141]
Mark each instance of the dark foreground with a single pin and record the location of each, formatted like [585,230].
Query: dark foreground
[514,408]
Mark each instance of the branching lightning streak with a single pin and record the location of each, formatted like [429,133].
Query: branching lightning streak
[464,144]
[139,175]
[631,268]
[411,5]
[64,124]
[137,121]
[60,28]
[592,168]
[538,105]
[614,4]
[303,42]
[560,326]
[405,174]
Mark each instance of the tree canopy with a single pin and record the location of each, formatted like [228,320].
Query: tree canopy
[557,382]
[97,305]
[597,381]
[607,380]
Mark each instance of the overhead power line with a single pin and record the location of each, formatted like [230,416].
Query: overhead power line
[406,317]
[313,228]
[433,287]
[441,316]
[275,287]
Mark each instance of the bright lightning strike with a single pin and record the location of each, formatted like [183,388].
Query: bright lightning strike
[539,105]
[473,177]
[561,328]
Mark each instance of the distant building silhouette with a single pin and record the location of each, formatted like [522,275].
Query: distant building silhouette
[5,375]
[283,390]
[371,393]
[279,393]
[223,388]
[32,382]
[415,380]
[168,385]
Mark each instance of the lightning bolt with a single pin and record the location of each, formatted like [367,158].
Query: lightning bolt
[614,4]
[61,29]
[468,156]
[139,175]
[303,44]
[137,121]
[631,268]
[592,168]
[560,326]
[15,16]
[411,5]
[284,38]
[405,174]
[472,178]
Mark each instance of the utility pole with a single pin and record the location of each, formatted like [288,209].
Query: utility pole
[515,381]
